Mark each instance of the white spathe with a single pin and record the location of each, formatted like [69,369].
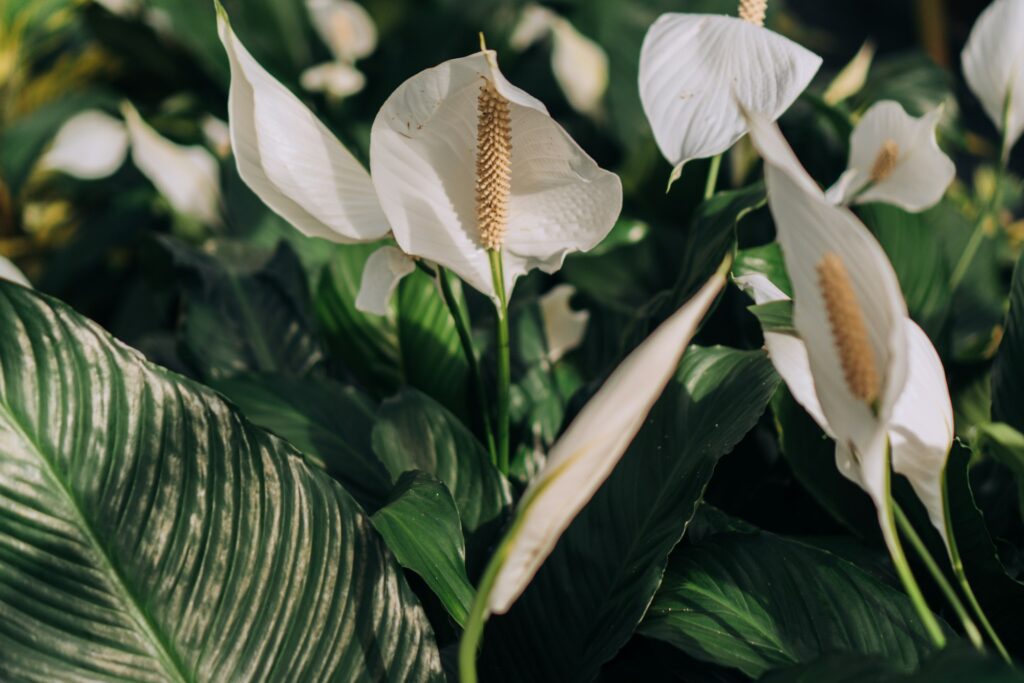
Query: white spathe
[564,327]
[382,272]
[423,156]
[700,72]
[336,79]
[345,27]
[920,173]
[187,177]
[993,65]
[587,452]
[921,427]
[808,228]
[291,160]
[89,145]
[580,66]
[11,272]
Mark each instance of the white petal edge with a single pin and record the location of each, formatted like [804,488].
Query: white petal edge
[11,272]
[534,23]
[187,177]
[580,66]
[90,145]
[345,27]
[587,452]
[698,71]
[423,156]
[564,327]
[291,160]
[993,65]
[382,272]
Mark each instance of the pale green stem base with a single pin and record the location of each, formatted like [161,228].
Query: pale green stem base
[712,181]
[504,362]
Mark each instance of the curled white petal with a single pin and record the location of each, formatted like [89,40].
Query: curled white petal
[580,66]
[423,155]
[345,27]
[534,23]
[382,272]
[564,327]
[89,145]
[591,446]
[291,160]
[853,76]
[187,177]
[919,172]
[336,79]
[699,72]
[11,272]
[217,135]
[993,65]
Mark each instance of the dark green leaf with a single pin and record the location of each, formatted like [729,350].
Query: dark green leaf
[587,598]
[765,260]
[421,525]
[775,316]
[150,533]
[911,79]
[1008,368]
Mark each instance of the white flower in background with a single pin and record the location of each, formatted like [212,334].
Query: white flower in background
[381,275]
[335,79]
[188,177]
[122,8]
[345,27]
[11,272]
[895,158]
[216,134]
[525,189]
[580,65]
[993,64]
[564,327]
[851,79]
[89,145]
[859,366]
[587,452]
[700,72]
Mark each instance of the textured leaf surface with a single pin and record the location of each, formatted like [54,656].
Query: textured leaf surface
[952,665]
[149,533]
[592,591]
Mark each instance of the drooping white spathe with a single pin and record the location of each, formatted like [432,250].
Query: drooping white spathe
[381,275]
[423,155]
[587,452]
[188,177]
[89,145]
[700,72]
[918,426]
[921,172]
[580,65]
[564,327]
[993,64]
[11,272]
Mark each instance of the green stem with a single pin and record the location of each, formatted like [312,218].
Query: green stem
[970,628]
[462,328]
[504,360]
[478,614]
[712,181]
[961,576]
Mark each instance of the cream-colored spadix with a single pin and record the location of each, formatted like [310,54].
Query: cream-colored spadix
[591,446]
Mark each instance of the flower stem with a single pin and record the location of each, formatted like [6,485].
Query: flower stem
[504,360]
[970,628]
[462,328]
[712,181]
[961,575]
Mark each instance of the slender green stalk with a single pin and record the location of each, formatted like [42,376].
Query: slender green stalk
[462,328]
[504,361]
[712,181]
[970,628]
[469,644]
[961,576]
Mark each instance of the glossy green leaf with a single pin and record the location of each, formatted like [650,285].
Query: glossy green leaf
[149,533]
[757,601]
[765,260]
[775,316]
[912,79]
[589,595]
[422,528]
[1008,368]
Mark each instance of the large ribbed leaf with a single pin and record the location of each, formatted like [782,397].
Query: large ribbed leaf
[590,594]
[955,664]
[149,533]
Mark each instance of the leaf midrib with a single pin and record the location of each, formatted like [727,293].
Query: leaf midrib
[166,654]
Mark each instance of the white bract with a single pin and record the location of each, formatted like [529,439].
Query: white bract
[587,452]
[381,274]
[564,327]
[700,72]
[423,156]
[895,158]
[11,272]
[336,79]
[89,145]
[993,65]
[860,367]
[345,27]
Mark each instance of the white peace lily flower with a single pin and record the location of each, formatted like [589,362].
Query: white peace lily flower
[993,64]
[345,27]
[381,275]
[700,72]
[851,79]
[587,452]
[11,272]
[895,158]
[187,176]
[564,327]
[217,135]
[860,367]
[336,79]
[89,145]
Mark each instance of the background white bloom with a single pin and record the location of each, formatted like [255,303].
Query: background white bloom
[993,64]
[382,272]
[699,72]
[345,27]
[895,158]
[89,145]
[564,326]
[336,79]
